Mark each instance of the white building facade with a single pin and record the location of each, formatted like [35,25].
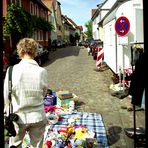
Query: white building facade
[101,11]
[117,49]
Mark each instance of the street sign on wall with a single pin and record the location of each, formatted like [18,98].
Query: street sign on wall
[122,26]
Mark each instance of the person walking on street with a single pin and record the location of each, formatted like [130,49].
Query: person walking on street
[88,50]
[29,86]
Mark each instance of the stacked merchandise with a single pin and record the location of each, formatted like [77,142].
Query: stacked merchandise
[61,99]
[68,128]
[65,100]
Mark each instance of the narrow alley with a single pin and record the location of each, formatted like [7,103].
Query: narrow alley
[72,69]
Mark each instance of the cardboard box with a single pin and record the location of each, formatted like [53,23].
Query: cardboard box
[64,94]
[64,103]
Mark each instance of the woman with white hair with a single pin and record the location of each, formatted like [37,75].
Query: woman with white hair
[29,86]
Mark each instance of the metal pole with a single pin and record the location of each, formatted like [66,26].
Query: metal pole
[134,112]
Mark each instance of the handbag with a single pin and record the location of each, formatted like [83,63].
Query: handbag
[8,120]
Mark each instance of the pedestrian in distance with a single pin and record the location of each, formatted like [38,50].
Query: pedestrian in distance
[88,50]
[29,86]
[5,63]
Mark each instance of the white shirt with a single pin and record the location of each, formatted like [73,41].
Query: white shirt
[88,49]
[29,85]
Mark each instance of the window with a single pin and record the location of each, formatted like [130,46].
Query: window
[17,2]
[46,36]
[35,35]
[31,8]
[41,35]
[41,12]
[36,10]
[46,16]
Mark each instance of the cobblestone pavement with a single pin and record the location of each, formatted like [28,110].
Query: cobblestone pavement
[72,69]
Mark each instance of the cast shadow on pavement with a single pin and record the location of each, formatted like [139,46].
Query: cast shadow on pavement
[62,53]
[104,67]
[113,134]
[79,104]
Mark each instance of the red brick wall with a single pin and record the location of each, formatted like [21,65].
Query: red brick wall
[4,8]
[26,5]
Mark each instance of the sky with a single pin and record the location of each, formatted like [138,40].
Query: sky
[79,10]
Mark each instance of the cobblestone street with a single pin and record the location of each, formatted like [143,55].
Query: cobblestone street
[72,69]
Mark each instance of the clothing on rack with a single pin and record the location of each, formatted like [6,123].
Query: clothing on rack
[137,51]
[138,80]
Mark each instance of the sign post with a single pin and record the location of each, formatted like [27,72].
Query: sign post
[122,26]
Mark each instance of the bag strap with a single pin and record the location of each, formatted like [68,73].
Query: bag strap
[10,87]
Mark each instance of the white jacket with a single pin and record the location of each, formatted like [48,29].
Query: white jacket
[29,85]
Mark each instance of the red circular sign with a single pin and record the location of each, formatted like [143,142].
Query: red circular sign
[122,26]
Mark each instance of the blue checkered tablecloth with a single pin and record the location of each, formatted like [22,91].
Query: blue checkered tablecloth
[92,121]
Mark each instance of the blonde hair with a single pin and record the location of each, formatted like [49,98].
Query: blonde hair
[27,46]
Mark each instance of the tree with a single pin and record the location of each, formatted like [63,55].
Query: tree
[20,22]
[88,32]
